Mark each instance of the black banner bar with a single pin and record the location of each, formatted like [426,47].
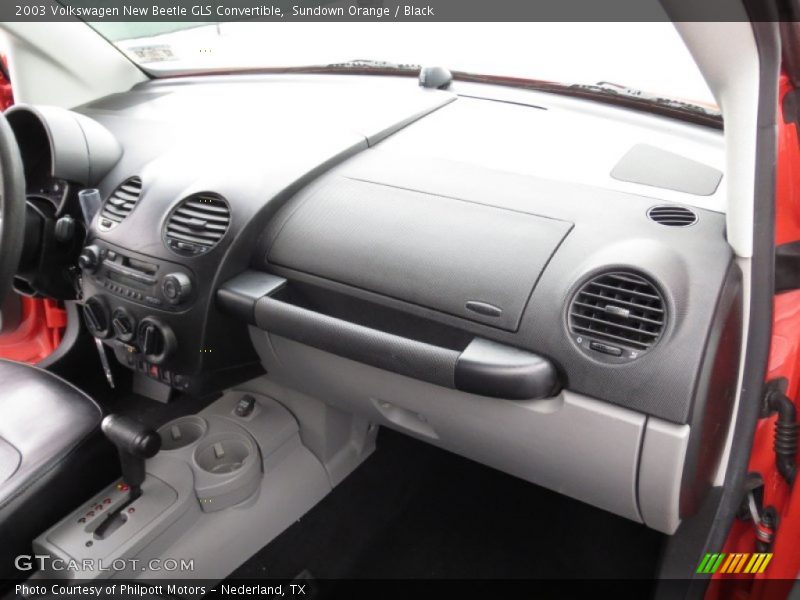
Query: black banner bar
[385,10]
[388,589]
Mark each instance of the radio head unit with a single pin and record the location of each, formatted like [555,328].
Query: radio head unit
[161,285]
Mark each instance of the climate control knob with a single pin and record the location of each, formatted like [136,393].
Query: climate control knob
[97,317]
[89,258]
[176,287]
[124,325]
[156,340]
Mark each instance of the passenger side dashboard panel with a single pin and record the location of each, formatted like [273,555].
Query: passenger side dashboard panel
[396,252]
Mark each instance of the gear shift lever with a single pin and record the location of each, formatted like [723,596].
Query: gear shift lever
[135,443]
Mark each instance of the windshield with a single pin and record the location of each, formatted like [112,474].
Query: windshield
[646,56]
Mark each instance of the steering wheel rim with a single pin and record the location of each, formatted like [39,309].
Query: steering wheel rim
[12,207]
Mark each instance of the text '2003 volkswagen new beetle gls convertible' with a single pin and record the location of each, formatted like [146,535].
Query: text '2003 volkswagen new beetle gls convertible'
[291,313]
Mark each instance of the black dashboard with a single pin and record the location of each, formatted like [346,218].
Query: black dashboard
[314,208]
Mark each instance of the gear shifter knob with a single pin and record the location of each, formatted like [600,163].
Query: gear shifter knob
[135,443]
[131,436]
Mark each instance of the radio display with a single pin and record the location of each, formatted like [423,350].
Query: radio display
[128,281]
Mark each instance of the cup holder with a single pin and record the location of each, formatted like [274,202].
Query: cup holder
[182,432]
[223,454]
[224,458]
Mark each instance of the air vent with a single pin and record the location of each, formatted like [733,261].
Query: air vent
[120,203]
[672,215]
[197,224]
[621,309]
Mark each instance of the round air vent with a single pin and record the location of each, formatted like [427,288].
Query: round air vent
[197,224]
[619,314]
[120,203]
[672,215]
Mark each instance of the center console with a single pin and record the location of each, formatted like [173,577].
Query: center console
[225,482]
[128,300]
[153,314]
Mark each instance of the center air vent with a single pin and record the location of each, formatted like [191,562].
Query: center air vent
[120,203]
[617,314]
[197,224]
[672,215]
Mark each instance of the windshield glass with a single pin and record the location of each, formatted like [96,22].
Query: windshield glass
[646,56]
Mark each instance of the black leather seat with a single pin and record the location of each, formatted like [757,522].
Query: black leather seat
[52,456]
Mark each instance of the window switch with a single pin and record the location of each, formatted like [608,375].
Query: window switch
[244,408]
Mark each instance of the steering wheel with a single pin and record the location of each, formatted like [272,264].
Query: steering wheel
[12,207]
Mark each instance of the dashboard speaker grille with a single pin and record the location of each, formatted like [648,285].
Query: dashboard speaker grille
[120,203]
[197,224]
[672,215]
[620,307]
